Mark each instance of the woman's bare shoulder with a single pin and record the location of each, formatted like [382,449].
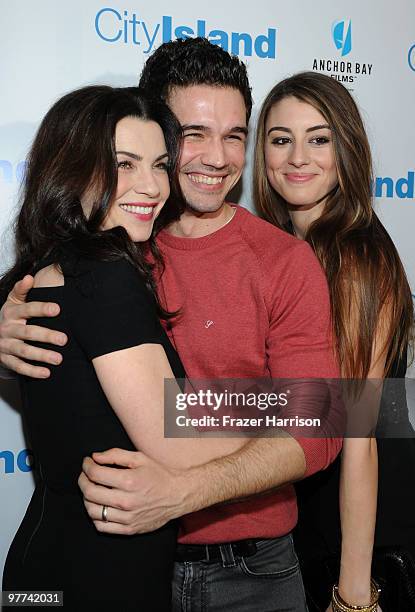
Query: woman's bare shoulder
[50,276]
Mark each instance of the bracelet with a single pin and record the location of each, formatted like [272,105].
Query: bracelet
[339,605]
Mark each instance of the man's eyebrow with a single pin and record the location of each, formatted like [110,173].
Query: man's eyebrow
[239,130]
[129,154]
[193,126]
[203,128]
[280,128]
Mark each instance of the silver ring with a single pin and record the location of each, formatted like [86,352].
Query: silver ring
[104,514]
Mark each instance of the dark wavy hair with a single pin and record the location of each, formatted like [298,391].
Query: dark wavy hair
[194,61]
[74,152]
[367,282]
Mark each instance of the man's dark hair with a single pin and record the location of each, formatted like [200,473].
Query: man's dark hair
[194,61]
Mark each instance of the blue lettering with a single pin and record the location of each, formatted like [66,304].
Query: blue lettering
[167,29]
[405,186]
[7,170]
[135,23]
[201,28]
[21,170]
[125,24]
[8,461]
[236,39]
[98,25]
[152,39]
[24,460]
[402,188]
[183,32]
[389,187]
[220,39]
[112,26]
[265,46]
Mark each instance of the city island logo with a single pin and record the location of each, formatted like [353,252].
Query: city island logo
[343,70]
[16,462]
[125,27]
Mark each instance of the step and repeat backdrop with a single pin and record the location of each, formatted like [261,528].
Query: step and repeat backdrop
[48,48]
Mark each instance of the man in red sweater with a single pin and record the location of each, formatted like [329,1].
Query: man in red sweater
[255,304]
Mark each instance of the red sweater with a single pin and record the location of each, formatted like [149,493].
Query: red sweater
[255,304]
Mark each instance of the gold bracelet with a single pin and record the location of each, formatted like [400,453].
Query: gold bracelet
[339,605]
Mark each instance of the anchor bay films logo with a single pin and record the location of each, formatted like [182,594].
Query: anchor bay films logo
[342,36]
[340,67]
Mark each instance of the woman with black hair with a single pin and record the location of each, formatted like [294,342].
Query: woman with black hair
[97,182]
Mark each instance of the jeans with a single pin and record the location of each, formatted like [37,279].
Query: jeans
[268,581]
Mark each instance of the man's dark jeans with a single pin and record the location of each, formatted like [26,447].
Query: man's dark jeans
[268,581]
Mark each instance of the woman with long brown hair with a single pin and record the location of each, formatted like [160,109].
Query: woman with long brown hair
[97,183]
[313,177]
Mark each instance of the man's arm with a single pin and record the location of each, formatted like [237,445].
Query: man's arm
[14,333]
[148,495]
[300,347]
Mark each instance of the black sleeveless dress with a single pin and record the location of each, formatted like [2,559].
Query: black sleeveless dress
[105,307]
[318,535]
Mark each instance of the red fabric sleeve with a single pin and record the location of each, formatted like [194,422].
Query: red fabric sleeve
[300,345]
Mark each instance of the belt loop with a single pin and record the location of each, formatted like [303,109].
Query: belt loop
[228,558]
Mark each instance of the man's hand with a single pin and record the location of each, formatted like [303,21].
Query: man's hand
[139,499]
[147,495]
[14,332]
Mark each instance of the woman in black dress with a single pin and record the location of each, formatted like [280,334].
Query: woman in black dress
[313,177]
[97,181]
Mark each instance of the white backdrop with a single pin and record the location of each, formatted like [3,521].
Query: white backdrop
[48,48]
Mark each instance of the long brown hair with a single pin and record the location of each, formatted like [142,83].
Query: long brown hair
[73,150]
[364,272]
